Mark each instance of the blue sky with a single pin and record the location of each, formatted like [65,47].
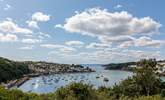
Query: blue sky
[78,31]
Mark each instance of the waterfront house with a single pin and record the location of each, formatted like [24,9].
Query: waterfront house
[160,67]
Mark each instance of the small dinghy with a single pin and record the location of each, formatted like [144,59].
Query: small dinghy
[106,79]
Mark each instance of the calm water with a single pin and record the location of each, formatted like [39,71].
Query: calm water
[45,84]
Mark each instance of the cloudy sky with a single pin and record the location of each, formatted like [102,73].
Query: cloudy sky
[78,31]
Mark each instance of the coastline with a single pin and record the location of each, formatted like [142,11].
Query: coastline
[159,74]
[18,82]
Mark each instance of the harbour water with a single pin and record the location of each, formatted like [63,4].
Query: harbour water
[50,83]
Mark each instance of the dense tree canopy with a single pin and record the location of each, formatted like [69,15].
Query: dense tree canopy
[11,70]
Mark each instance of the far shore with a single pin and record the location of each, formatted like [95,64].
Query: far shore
[159,74]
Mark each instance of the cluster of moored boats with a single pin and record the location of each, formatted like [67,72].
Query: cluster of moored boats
[62,79]
[105,79]
[54,79]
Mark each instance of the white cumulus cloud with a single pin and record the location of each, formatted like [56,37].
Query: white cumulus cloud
[32,24]
[30,41]
[116,39]
[118,6]
[40,17]
[27,47]
[36,18]
[8,38]
[97,46]
[96,22]
[9,26]
[147,41]
[7,7]
[60,48]
[75,43]
[142,42]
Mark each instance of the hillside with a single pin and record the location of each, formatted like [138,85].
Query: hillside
[53,68]
[119,66]
[130,66]
[11,70]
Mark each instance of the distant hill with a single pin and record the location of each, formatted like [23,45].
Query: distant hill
[11,70]
[119,66]
[124,66]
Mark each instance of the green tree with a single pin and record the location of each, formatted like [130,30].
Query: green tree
[76,91]
[145,77]
[144,81]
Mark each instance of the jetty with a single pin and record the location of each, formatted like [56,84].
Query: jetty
[15,83]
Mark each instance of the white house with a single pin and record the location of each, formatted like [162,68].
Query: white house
[132,66]
[161,67]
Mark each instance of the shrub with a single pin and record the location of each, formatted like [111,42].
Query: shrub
[163,93]
[76,91]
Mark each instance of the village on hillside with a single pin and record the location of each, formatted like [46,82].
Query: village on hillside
[160,67]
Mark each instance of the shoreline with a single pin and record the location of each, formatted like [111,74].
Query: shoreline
[18,82]
[15,83]
[159,74]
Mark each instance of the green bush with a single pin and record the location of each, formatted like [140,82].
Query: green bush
[76,91]
[144,82]
[163,93]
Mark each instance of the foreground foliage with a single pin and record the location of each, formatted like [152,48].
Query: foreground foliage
[75,91]
[144,82]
